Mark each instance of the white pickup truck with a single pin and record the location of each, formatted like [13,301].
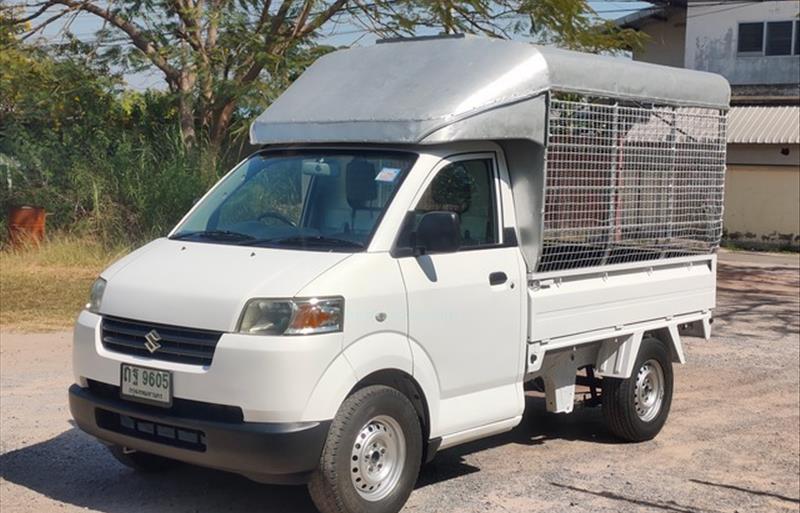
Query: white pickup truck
[430,228]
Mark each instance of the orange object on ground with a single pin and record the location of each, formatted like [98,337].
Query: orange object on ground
[26,224]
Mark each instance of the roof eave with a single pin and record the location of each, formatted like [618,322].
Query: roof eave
[642,17]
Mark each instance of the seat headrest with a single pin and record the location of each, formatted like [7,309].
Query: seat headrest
[360,183]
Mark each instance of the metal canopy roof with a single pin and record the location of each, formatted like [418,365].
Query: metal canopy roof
[404,92]
[764,125]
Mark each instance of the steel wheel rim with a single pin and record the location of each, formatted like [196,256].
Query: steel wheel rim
[649,391]
[378,458]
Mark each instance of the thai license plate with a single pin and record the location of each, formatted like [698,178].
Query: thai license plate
[145,385]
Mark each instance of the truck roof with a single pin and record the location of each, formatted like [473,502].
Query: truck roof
[405,91]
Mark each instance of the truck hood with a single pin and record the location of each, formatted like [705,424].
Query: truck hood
[202,285]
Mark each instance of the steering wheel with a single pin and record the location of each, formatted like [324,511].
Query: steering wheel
[280,217]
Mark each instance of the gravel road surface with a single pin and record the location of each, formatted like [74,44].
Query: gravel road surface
[732,443]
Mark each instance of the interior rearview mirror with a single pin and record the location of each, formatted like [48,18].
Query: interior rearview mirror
[317,167]
[438,232]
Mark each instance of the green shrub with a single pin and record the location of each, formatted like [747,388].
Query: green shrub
[102,161]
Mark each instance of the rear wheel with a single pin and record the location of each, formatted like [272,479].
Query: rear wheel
[372,455]
[141,461]
[635,409]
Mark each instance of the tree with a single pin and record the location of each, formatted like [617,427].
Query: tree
[214,53]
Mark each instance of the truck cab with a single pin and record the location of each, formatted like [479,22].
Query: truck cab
[404,257]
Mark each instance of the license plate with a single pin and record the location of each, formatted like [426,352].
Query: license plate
[145,385]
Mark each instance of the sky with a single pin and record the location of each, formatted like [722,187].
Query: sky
[85,25]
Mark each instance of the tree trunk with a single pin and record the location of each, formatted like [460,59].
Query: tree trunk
[186,110]
[220,125]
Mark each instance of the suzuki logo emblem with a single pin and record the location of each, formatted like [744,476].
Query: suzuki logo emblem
[151,341]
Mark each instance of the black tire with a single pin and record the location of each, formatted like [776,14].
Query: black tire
[332,488]
[141,461]
[620,400]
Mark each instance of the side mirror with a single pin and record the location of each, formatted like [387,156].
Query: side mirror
[438,232]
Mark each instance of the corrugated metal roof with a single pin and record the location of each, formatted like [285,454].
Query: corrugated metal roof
[764,124]
[680,125]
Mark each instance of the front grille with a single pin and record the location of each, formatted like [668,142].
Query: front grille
[182,345]
[185,438]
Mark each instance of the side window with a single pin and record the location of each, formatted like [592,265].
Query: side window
[466,188]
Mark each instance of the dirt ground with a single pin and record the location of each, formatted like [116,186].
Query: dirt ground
[732,443]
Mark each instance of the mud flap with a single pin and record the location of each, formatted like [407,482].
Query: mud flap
[616,356]
[559,381]
[699,328]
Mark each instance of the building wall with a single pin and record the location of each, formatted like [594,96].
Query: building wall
[711,41]
[764,154]
[665,44]
[762,204]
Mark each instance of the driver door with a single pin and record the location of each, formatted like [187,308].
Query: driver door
[464,308]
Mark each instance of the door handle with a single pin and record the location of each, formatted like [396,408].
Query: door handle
[497,278]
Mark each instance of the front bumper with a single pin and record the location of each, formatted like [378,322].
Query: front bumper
[272,379]
[280,453]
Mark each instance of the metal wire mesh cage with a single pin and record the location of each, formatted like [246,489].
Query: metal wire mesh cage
[630,182]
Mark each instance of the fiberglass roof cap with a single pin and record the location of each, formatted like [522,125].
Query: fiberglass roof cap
[401,92]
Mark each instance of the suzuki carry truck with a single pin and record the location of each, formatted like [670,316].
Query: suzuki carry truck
[430,229]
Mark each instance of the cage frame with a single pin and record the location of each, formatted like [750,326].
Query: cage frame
[686,246]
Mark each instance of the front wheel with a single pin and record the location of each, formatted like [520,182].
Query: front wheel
[372,455]
[635,409]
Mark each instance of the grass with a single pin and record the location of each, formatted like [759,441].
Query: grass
[42,288]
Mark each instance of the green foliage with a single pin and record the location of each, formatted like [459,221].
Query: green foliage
[566,23]
[102,161]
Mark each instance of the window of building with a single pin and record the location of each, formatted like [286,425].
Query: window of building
[779,38]
[751,37]
[797,37]
[769,38]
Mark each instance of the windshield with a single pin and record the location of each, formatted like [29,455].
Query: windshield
[315,199]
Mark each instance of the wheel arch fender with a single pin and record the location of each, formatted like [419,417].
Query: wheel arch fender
[360,359]
[428,379]
[415,376]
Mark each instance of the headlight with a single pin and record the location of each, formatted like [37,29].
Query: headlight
[96,295]
[292,316]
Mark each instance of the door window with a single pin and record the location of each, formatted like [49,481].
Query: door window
[465,187]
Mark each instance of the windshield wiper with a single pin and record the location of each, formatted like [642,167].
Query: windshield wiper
[221,235]
[308,240]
